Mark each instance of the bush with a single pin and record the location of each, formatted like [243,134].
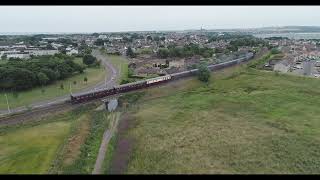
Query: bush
[275,51]
[89,59]
[203,72]
[163,52]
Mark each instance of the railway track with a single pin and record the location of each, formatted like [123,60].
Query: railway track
[29,115]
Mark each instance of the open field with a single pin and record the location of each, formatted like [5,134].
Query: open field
[244,121]
[24,98]
[119,62]
[32,149]
[47,146]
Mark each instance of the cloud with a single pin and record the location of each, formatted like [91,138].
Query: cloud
[132,18]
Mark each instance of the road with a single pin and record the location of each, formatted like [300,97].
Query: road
[112,74]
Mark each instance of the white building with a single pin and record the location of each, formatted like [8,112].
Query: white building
[4,47]
[19,46]
[72,51]
[42,52]
[18,55]
[102,37]
[56,46]
[15,54]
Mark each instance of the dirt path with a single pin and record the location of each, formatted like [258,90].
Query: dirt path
[105,141]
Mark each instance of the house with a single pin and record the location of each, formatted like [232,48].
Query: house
[42,52]
[18,55]
[15,54]
[102,37]
[176,63]
[72,51]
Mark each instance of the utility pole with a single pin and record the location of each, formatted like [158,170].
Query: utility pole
[70,89]
[7,103]
[105,80]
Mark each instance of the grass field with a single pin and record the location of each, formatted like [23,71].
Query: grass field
[118,62]
[24,98]
[32,149]
[46,146]
[244,121]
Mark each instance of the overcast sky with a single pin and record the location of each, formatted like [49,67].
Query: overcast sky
[144,18]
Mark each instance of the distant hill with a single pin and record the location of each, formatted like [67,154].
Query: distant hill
[287,29]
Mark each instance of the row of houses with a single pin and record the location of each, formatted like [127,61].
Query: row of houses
[27,53]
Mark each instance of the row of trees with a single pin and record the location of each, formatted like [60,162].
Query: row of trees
[227,36]
[22,74]
[185,51]
[246,41]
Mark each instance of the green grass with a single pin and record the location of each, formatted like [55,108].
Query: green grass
[24,98]
[32,149]
[118,62]
[42,146]
[245,122]
[109,154]
[3,61]
[121,63]
[84,164]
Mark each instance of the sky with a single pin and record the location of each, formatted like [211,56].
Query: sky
[149,18]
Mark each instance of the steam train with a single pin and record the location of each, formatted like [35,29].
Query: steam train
[104,92]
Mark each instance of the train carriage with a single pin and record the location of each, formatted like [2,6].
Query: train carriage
[100,93]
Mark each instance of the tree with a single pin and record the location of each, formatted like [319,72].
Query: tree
[156,38]
[85,79]
[95,34]
[4,57]
[88,59]
[130,72]
[203,72]
[42,78]
[87,50]
[62,50]
[74,82]
[130,53]
[99,42]
[167,63]
[149,38]
[61,86]
[15,94]
[163,38]
[275,51]
[49,46]
[163,52]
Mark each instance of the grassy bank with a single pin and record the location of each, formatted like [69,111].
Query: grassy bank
[59,144]
[39,147]
[89,148]
[245,121]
